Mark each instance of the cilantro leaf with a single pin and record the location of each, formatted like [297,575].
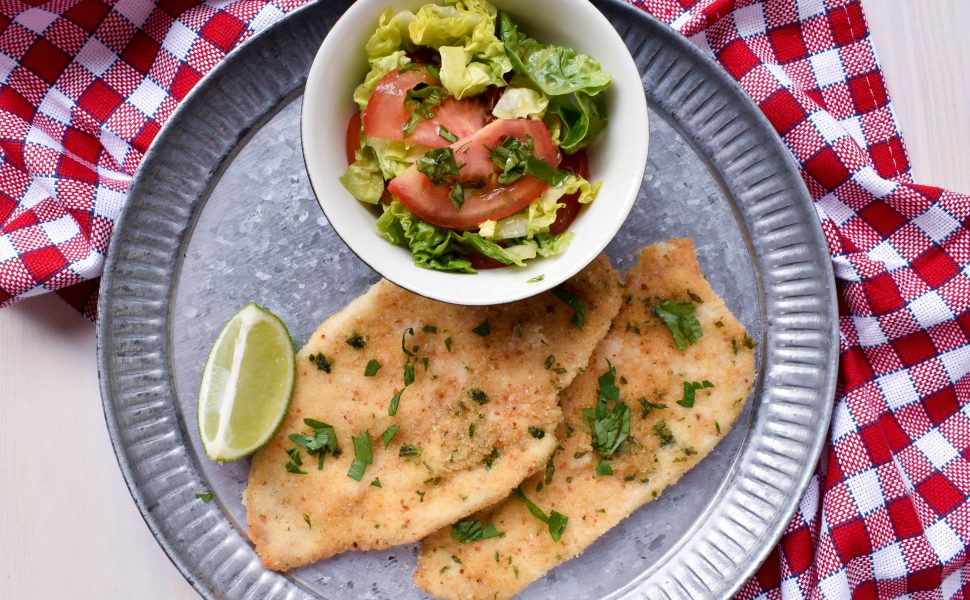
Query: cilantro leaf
[579,308]
[469,531]
[680,320]
[690,387]
[373,366]
[363,456]
[556,520]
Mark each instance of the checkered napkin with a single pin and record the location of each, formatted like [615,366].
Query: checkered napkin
[85,87]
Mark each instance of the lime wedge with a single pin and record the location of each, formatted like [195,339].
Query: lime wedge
[246,384]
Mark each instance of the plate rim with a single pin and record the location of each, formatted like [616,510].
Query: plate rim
[254,46]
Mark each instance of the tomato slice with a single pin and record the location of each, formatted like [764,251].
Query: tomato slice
[492,200]
[578,163]
[352,142]
[480,261]
[386,115]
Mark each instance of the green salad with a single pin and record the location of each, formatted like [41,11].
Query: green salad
[470,137]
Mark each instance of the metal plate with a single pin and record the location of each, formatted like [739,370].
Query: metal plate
[221,213]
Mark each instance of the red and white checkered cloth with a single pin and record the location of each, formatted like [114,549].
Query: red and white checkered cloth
[86,85]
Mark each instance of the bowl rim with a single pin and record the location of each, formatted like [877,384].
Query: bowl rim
[456,292]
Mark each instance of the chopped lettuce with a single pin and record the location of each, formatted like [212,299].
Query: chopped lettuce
[391,34]
[446,250]
[555,70]
[521,103]
[394,157]
[364,179]
[379,67]
[581,118]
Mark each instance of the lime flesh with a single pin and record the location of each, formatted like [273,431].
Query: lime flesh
[246,384]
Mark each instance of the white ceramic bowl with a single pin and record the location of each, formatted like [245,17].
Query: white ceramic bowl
[617,157]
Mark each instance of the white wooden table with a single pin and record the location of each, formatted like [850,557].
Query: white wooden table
[68,527]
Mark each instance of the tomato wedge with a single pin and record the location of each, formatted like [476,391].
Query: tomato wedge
[488,202]
[386,116]
[578,163]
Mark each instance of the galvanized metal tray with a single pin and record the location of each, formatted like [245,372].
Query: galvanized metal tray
[221,213]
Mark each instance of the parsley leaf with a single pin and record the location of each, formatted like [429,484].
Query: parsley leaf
[322,441]
[389,434]
[556,520]
[205,497]
[579,308]
[438,164]
[483,329]
[472,531]
[321,362]
[373,366]
[376,482]
[680,320]
[457,196]
[604,468]
[478,396]
[537,432]
[690,387]
[662,431]
[363,456]
[648,406]
[609,422]
[395,401]
[446,135]
[408,451]
[356,341]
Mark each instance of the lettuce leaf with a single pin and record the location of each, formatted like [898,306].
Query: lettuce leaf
[535,220]
[521,103]
[391,34]
[431,247]
[463,31]
[555,70]
[364,179]
[581,118]
[394,157]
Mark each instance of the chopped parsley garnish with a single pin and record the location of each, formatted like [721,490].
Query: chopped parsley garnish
[662,431]
[536,279]
[690,389]
[389,434]
[408,373]
[517,158]
[429,329]
[579,308]
[689,451]
[423,98]
[395,401]
[448,343]
[446,135]
[322,441]
[472,531]
[457,196]
[205,497]
[491,458]
[306,519]
[435,72]
[409,451]
[648,406]
[376,482]
[694,297]
[555,520]
[483,329]
[356,341]
[680,320]
[537,432]
[550,468]
[604,468]
[404,342]
[549,362]
[321,362]
[478,396]
[438,164]
[609,422]
[295,462]
[363,456]
[373,366]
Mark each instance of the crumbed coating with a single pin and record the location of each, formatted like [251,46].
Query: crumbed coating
[663,444]
[472,453]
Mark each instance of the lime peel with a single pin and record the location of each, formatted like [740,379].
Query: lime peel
[246,384]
